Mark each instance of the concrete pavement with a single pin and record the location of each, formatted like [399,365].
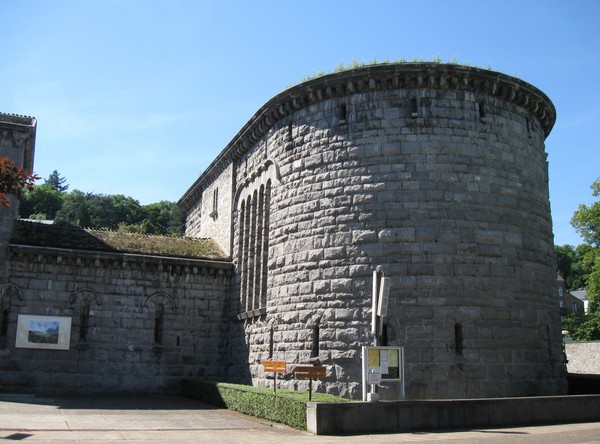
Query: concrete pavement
[170,419]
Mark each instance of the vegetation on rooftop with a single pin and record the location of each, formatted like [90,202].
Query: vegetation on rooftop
[355,64]
[160,245]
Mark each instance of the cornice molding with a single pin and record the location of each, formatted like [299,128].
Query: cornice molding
[370,78]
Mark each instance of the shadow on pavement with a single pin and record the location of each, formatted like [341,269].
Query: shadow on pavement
[111,402]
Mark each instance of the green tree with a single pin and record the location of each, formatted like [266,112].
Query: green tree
[57,182]
[161,218]
[98,211]
[571,264]
[166,217]
[586,221]
[583,327]
[41,202]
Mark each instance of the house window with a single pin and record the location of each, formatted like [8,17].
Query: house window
[562,304]
[560,291]
[575,308]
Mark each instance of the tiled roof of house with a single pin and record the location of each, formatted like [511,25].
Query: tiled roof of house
[54,236]
[580,294]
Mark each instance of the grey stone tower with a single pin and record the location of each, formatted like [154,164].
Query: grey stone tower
[17,142]
[435,172]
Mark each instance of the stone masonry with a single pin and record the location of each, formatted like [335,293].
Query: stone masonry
[438,174]
[139,321]
[119,294]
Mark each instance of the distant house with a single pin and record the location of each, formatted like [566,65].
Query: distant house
[568,302]
[583,297]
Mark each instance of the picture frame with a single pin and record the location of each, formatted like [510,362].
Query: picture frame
[43,332]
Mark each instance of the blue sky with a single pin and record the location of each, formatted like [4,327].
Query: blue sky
[138,97]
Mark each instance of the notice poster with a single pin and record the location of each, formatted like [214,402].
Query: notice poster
[385,361]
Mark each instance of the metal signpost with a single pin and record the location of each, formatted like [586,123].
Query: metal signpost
[380,363]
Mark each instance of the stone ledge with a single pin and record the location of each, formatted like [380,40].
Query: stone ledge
[358,418]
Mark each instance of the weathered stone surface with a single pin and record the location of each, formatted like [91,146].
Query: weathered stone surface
[452,204]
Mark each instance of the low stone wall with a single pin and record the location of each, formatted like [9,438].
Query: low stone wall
[584,357]
[139,323]
[403,416]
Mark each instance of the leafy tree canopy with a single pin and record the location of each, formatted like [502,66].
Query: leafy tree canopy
[583,328]
[119,212]
[572,266]
[41,202]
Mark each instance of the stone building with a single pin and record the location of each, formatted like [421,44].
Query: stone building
[143,311]
[438,174]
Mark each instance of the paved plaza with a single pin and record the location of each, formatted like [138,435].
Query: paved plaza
[170,419]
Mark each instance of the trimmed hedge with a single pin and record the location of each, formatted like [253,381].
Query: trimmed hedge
[255,401]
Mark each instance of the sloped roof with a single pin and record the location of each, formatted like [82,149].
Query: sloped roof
[54,236]
[580,294]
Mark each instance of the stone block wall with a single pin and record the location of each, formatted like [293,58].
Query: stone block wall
[211,218]
[121,350]
[438,174]
[17,143]
[584,357]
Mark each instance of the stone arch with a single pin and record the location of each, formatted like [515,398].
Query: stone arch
[252,203]
[9,289]
[268,171]
[85,294]
[158,301]
[159,298]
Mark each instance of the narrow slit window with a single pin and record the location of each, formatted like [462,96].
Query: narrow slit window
[481,108]
[458,339]
[4,324]
[290,136]
[271,342]
[84,321]
[314,353]
[414,109]
[343,113]
[215,204]
[384,335]
[159,319]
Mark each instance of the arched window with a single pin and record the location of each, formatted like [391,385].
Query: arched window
[82,300]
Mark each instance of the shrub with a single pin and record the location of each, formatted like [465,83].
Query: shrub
[286,407]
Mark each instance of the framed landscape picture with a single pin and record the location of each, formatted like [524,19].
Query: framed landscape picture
[47,332]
